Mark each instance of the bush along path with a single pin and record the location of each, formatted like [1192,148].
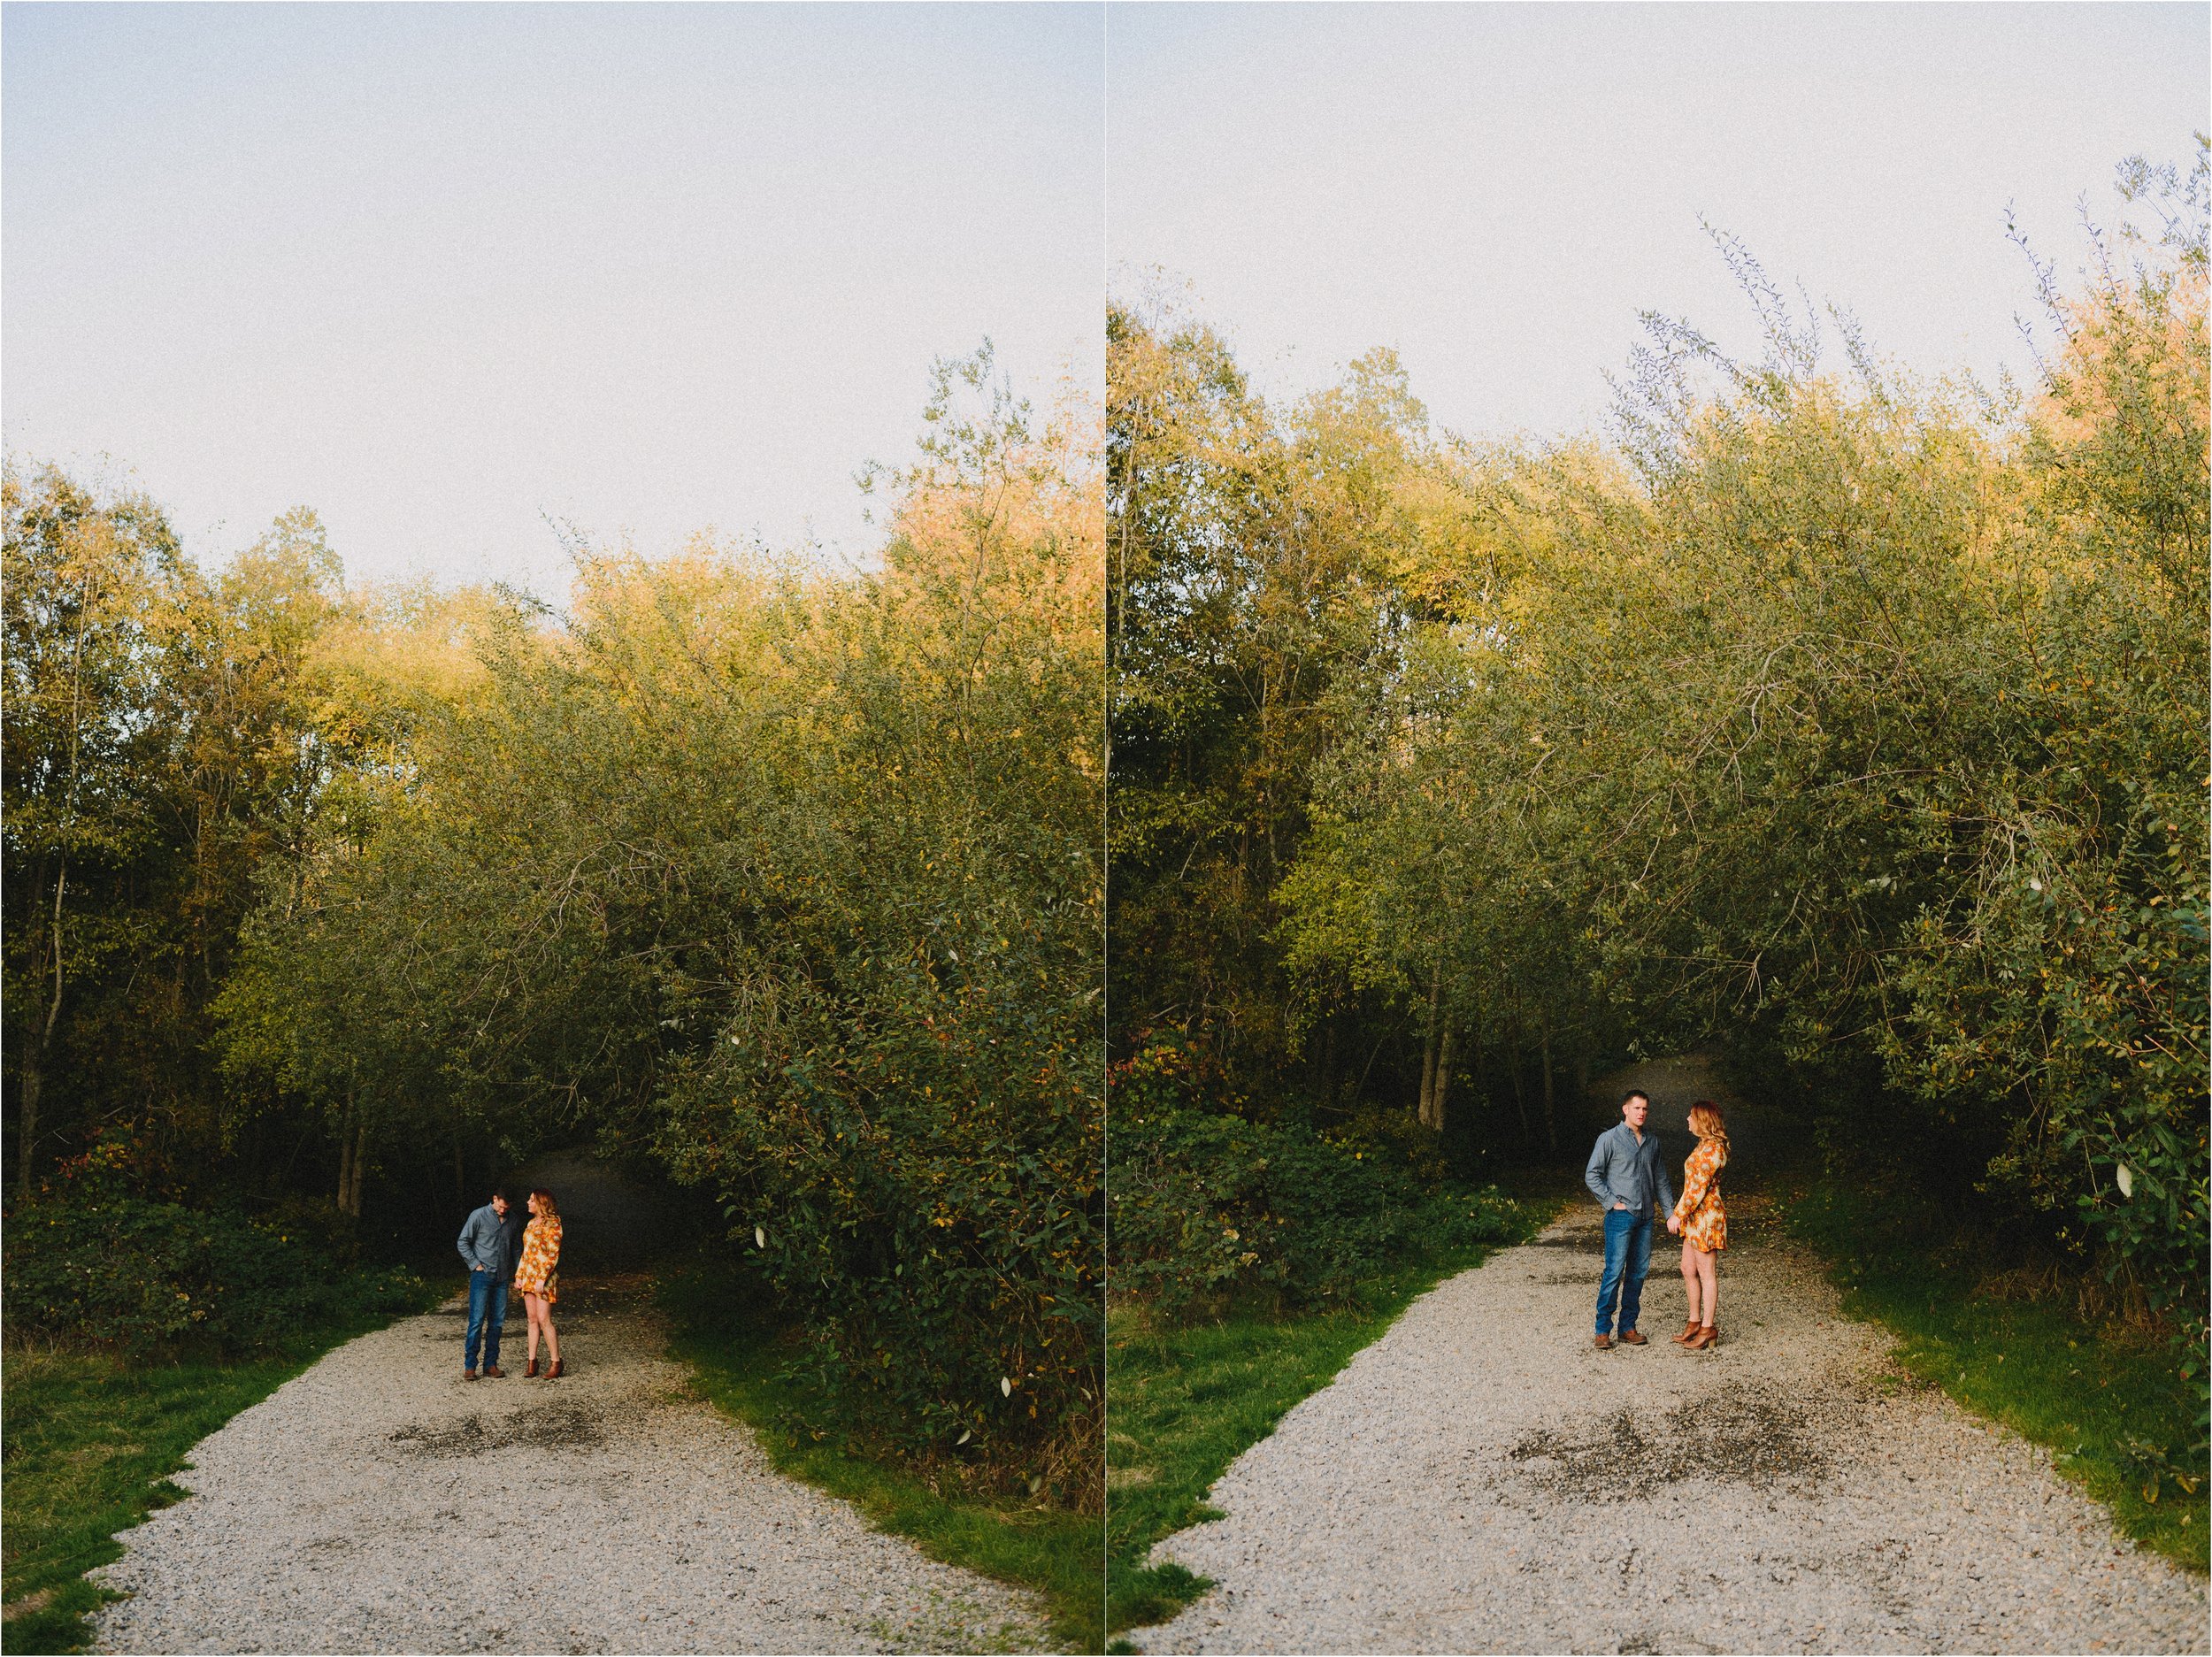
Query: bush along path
[377,1503]
[1483,1480]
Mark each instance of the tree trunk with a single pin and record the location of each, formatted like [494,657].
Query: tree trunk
[1467,1055]
[360,1167]
[1551,1119]
[1428,1047]
[34,1067]
[1520,1098]
[27,1122]
[1443,1080]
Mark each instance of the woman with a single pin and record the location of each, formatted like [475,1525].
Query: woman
[538,1280]
[1702,1223]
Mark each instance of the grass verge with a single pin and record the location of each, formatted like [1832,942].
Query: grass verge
[734,1346]
[2122,1422]
[91,1441]
[1185,1402]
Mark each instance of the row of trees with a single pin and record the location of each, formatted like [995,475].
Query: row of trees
[1274,575]
[1852,722]
[162,745]
[788,880]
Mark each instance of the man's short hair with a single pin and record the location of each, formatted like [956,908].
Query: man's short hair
[1634,1093]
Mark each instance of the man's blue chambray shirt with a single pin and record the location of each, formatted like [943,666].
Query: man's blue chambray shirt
[1622,1171]
[485,1242]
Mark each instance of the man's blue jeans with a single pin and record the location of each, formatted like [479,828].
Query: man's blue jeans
[1627,1259]
[487,1311]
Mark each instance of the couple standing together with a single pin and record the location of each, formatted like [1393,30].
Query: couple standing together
[489,1244]
[1629,1179]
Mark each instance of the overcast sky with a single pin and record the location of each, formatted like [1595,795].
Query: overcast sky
[1496,191]
[443,271]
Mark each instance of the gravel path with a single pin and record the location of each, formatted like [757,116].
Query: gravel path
[377,1503]
[1482,1479]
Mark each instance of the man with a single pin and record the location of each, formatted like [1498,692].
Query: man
[487,1245]
[1629,1179]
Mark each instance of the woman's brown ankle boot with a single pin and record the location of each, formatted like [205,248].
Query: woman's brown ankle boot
[1689,1330]
[554,1373]
[1708,1335]
[530,1371]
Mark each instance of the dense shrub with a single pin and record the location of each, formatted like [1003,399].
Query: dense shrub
[913,1164]
[143,1275]
[1206,1206]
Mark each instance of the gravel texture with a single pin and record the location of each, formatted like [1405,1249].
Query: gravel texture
[1483,1480]
[377,1503]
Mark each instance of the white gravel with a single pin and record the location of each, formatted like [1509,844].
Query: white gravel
[377,1503]
[1482,1479]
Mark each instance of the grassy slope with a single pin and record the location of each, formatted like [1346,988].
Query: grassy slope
[2098,1401]
[732,1350]
[91,1442]
[1184,1403]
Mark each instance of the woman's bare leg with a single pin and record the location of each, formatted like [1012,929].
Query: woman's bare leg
[532,1310]
[552,1340]
[1708,1279]
[1690,1280]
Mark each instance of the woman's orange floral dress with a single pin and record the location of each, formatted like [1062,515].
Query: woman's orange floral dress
[537,1272]
[1704,1222]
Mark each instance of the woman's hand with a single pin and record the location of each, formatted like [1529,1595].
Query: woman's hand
[1674,1226]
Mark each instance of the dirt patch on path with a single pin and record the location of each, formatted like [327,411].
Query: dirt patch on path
[377,1503]
[1482,1479]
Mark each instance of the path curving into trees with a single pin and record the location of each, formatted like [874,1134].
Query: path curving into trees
[377,1503]
[1481,1479]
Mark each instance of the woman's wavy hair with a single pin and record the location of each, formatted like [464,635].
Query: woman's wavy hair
[1705,1121]
[546,1205]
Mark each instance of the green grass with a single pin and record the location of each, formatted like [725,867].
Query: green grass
[732,1343]
[2123,1422]
[1184,1403]
[90,1442]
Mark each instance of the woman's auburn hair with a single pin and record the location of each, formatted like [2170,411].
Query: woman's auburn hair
[546,1204]
[1705,1121]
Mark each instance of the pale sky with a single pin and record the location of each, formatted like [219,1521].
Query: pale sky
[445,272]
[1497,190]
[442,270]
